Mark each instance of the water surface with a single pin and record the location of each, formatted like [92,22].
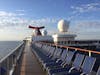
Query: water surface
[7,46]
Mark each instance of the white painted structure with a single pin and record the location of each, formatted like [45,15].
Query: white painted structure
[42,38]
[63,36]
[44,33]
[60,38]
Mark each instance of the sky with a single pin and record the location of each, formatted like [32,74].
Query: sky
[17,15]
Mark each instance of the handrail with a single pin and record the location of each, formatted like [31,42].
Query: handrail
[1,60]
[78,49]
[9,62]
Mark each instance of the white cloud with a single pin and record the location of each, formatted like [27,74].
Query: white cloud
[86,26]
[12,26]
[20,10]
[3,13]
[86,29]
[10,14]
[11,21]
[91,24]
[86,8]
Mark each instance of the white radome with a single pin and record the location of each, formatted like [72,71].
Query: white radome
[44,32]
[63,25]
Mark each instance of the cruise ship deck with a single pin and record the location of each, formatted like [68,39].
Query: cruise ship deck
[36,58]
[29,64]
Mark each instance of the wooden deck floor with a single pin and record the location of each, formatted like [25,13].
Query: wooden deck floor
[30,65]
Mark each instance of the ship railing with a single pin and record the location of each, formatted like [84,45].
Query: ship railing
[9,62]
[89,52]
[80,44]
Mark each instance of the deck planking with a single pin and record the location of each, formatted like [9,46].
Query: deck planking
[30,65]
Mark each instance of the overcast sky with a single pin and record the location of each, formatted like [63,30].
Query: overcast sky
[16,15]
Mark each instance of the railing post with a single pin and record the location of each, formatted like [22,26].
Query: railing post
[67,49]
[75,49]
[90,53]
[8,68]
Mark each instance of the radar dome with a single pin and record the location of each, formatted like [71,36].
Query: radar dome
[44,32]
[63,25]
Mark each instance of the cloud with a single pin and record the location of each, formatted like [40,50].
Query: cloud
[10,14]
[20,10]
[86,8]
[13,27]
[86,26]
[14,21]
[86,29]
[3,13]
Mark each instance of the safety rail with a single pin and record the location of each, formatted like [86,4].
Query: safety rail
[73,48]
[9,62]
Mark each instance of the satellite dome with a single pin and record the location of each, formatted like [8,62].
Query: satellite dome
[63,25]
[44,32]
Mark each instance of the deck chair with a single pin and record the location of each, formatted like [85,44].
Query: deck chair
[88,65]
[55,57]
[45,50]
[42,54]
[67,63]
[86,68]
[70,69]
[58,62]
[45,57]
[98,72]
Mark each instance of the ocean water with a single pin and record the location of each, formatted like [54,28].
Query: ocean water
[7,46]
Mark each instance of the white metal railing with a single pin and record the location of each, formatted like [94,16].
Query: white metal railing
[8,63]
